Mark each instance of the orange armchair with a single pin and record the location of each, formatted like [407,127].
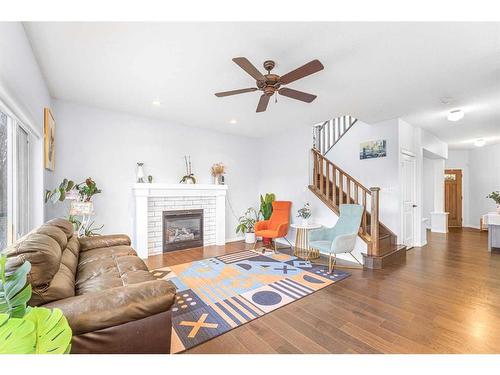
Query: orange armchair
[277,225]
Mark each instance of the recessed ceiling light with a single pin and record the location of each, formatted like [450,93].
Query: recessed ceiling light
[479,142]
[156,102]
[456,115]
[233,121]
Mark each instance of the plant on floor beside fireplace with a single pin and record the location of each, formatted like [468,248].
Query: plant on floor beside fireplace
[246,224]
[495,195]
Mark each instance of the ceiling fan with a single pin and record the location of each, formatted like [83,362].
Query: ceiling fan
[271,83]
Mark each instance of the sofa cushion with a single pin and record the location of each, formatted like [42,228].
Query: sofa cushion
[106,268]
[53,253]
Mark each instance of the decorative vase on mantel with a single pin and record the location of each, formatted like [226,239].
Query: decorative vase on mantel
[140,173]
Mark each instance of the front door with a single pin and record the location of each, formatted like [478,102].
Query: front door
[453,196]
[408,199]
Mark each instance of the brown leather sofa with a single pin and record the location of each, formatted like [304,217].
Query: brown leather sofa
[112,302]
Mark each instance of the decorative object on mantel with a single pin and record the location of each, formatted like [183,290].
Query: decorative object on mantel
[373,149]
[81,207]
[305,213]
[246,224]
[140,173]
[150,179]
[218,171]
[49,135]
[266,209]
[188,178]
[495,195]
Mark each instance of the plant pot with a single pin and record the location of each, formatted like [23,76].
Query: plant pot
[498,208]
[266,241]
[305,222]
[249,237]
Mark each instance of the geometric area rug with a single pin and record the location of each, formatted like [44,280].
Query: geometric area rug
[218,294]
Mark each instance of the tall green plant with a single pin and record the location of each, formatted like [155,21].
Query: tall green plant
[25,330]
[266,205]
[59,193]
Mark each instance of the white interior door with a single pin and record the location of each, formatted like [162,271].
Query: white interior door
[408,200]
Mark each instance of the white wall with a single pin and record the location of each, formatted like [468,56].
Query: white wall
[484,171]
[23,90]
[106,145]
[428,189]
[286,159]
[377,172]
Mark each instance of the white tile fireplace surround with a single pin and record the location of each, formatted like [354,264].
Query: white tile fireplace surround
[152,199]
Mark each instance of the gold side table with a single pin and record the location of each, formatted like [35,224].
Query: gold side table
[302,249]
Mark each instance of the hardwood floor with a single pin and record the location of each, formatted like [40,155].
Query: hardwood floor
[445,299]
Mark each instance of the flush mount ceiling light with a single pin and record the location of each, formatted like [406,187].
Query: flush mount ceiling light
[456,115]
[479,142]
[156,102]
[233,121]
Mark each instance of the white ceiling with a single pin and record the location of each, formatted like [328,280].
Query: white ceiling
[373,71]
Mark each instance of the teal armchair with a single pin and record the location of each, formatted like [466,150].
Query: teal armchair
[342,237]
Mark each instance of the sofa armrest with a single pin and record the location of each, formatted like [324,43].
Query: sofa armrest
[115,306]
[94,242]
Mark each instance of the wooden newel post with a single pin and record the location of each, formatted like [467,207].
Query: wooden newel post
[374,217]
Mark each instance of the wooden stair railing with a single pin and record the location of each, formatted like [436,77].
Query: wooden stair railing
[333,186]
[327,134]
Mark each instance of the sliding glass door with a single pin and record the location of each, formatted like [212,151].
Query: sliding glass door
[14,180]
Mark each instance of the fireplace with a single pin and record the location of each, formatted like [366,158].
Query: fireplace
[182,229]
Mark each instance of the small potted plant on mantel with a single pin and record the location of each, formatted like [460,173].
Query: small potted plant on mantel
[495,195]
[246,225]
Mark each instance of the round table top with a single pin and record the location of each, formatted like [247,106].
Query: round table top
[308,226]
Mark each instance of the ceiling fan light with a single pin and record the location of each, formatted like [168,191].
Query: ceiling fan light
[479,142]
[456,115]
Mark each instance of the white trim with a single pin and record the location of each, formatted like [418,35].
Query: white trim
[407,152]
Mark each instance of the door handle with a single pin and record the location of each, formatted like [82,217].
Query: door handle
[414,205]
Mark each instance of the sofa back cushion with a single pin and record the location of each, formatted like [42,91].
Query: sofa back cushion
[53,251]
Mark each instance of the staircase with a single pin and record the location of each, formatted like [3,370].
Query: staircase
[327,134]
[334,186]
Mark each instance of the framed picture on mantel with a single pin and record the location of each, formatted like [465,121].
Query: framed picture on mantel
[49,135]
[373,149]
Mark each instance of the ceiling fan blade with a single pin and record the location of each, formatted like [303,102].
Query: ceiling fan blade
[248,67]
[235,92]
[305,70]
[299,95]
[263,102]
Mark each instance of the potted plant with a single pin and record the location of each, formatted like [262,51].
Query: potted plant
[495,195]
[25,329]
[188,178]
[266,209]
[305,213]
[246,224]
[218,171]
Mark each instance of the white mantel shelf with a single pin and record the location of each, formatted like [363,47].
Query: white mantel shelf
[143,192]
[159,190]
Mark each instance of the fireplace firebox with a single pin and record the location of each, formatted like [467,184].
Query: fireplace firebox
[182,229]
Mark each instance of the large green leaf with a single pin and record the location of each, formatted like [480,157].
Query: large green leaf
[14,292]
[17,336]
[52,330]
